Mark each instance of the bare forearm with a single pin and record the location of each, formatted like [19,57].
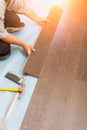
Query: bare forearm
[13,40]
[32,15]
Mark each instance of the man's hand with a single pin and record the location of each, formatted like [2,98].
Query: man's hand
[43,21]
[28,48]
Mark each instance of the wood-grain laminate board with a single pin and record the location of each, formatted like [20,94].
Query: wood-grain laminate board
[35,62]
[59,101]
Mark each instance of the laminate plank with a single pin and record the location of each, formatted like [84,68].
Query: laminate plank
[59,101]
[35,62]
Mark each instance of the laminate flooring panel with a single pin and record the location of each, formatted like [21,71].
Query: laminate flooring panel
[59,101]
[35,62]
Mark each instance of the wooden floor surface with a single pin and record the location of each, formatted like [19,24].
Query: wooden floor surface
[59,101]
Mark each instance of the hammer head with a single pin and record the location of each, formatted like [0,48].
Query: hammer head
[21,87]
[18,80]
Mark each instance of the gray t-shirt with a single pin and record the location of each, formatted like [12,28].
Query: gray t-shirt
[18,6]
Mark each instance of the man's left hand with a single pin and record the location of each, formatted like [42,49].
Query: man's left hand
[43,21]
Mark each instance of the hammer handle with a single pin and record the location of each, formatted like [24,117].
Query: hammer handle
[10,89]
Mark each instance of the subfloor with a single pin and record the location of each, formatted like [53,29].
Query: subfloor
[15,64]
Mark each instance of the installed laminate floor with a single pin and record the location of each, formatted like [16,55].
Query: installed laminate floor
[59,101]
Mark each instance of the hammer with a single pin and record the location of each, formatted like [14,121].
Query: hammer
[18,89]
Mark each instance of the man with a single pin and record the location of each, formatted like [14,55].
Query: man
[20,7]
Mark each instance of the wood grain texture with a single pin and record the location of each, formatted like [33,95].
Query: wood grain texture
[59,101]
[35,62]
[82,66]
